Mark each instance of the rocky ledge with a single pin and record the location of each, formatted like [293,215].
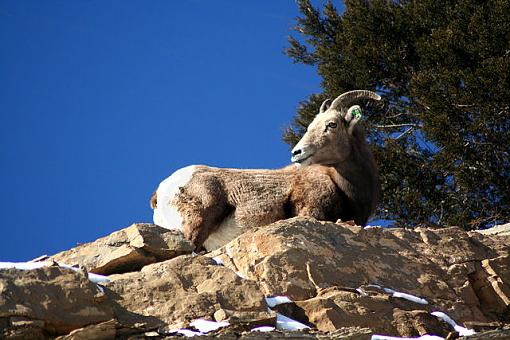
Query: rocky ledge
[297,278]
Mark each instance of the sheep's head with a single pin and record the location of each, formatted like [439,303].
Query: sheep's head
[328,139]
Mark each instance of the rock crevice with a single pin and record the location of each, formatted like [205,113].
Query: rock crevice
[338,279]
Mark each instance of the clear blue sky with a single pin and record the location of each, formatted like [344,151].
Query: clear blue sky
[101,100]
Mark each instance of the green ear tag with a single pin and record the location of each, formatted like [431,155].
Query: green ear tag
[356,112]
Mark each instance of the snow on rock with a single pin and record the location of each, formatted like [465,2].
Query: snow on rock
[401,295]
[203,326]
[206,326]
[287,324]
[459,329]
[186,332]
[406,296]
[423,337]
[263,329]
[277,300]
[96,278]
[23,265]
[218,261]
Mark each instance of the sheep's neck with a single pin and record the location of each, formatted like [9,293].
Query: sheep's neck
[356,175]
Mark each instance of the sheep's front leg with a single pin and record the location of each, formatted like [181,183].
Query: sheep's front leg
[197,223]
[201,211]
[316,196]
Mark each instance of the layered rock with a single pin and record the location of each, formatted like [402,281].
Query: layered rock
[127,250]
[190,287]
[463,274]
[340,280]
[49,301]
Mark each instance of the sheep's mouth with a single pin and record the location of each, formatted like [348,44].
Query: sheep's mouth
[300,158]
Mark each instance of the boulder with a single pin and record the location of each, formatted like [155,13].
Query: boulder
[340,280]
[449,268]
[336,308]
[191,287]
[49,301]
[127,250]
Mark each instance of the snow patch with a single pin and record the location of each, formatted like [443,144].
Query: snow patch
[218,261]
[206,326]
[287,324]
[24,265]
[401,295]
[165,213]
[203,327]
[263,329]
[96,278]
[371,227]
[361,292]
[423,337]
[186,332]
[277,300]
[459,329]
[406,296]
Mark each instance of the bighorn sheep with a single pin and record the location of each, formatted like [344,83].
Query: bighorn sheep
[335,177]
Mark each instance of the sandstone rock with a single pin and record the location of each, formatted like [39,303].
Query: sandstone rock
[104,330]
[127,250]
[334,309]
[344,281]
[50,300]
[350,333]
[190,287]
[301,257]
[502,333]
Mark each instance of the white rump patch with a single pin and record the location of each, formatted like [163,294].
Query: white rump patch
[165,213]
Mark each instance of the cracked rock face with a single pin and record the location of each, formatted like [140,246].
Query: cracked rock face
[187,288]
[127,250]
[49,301]
[342,281]
[463,274]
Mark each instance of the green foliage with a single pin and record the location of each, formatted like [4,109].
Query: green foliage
[441,137]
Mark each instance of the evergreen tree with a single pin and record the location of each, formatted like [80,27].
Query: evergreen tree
[441,137]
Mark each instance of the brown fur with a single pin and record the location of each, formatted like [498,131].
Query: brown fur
[260,197]
[154,200]
[339,181]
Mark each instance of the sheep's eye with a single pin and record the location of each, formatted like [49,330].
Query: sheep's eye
[331,125]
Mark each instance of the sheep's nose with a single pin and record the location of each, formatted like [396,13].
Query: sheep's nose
[296,152]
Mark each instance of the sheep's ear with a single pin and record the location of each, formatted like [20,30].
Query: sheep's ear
[353,116]
[325,105]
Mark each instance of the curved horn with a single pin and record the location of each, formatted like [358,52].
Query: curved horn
[325,105]
[346,99]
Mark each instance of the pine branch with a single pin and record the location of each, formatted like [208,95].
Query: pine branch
[405,133]
[392,126]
